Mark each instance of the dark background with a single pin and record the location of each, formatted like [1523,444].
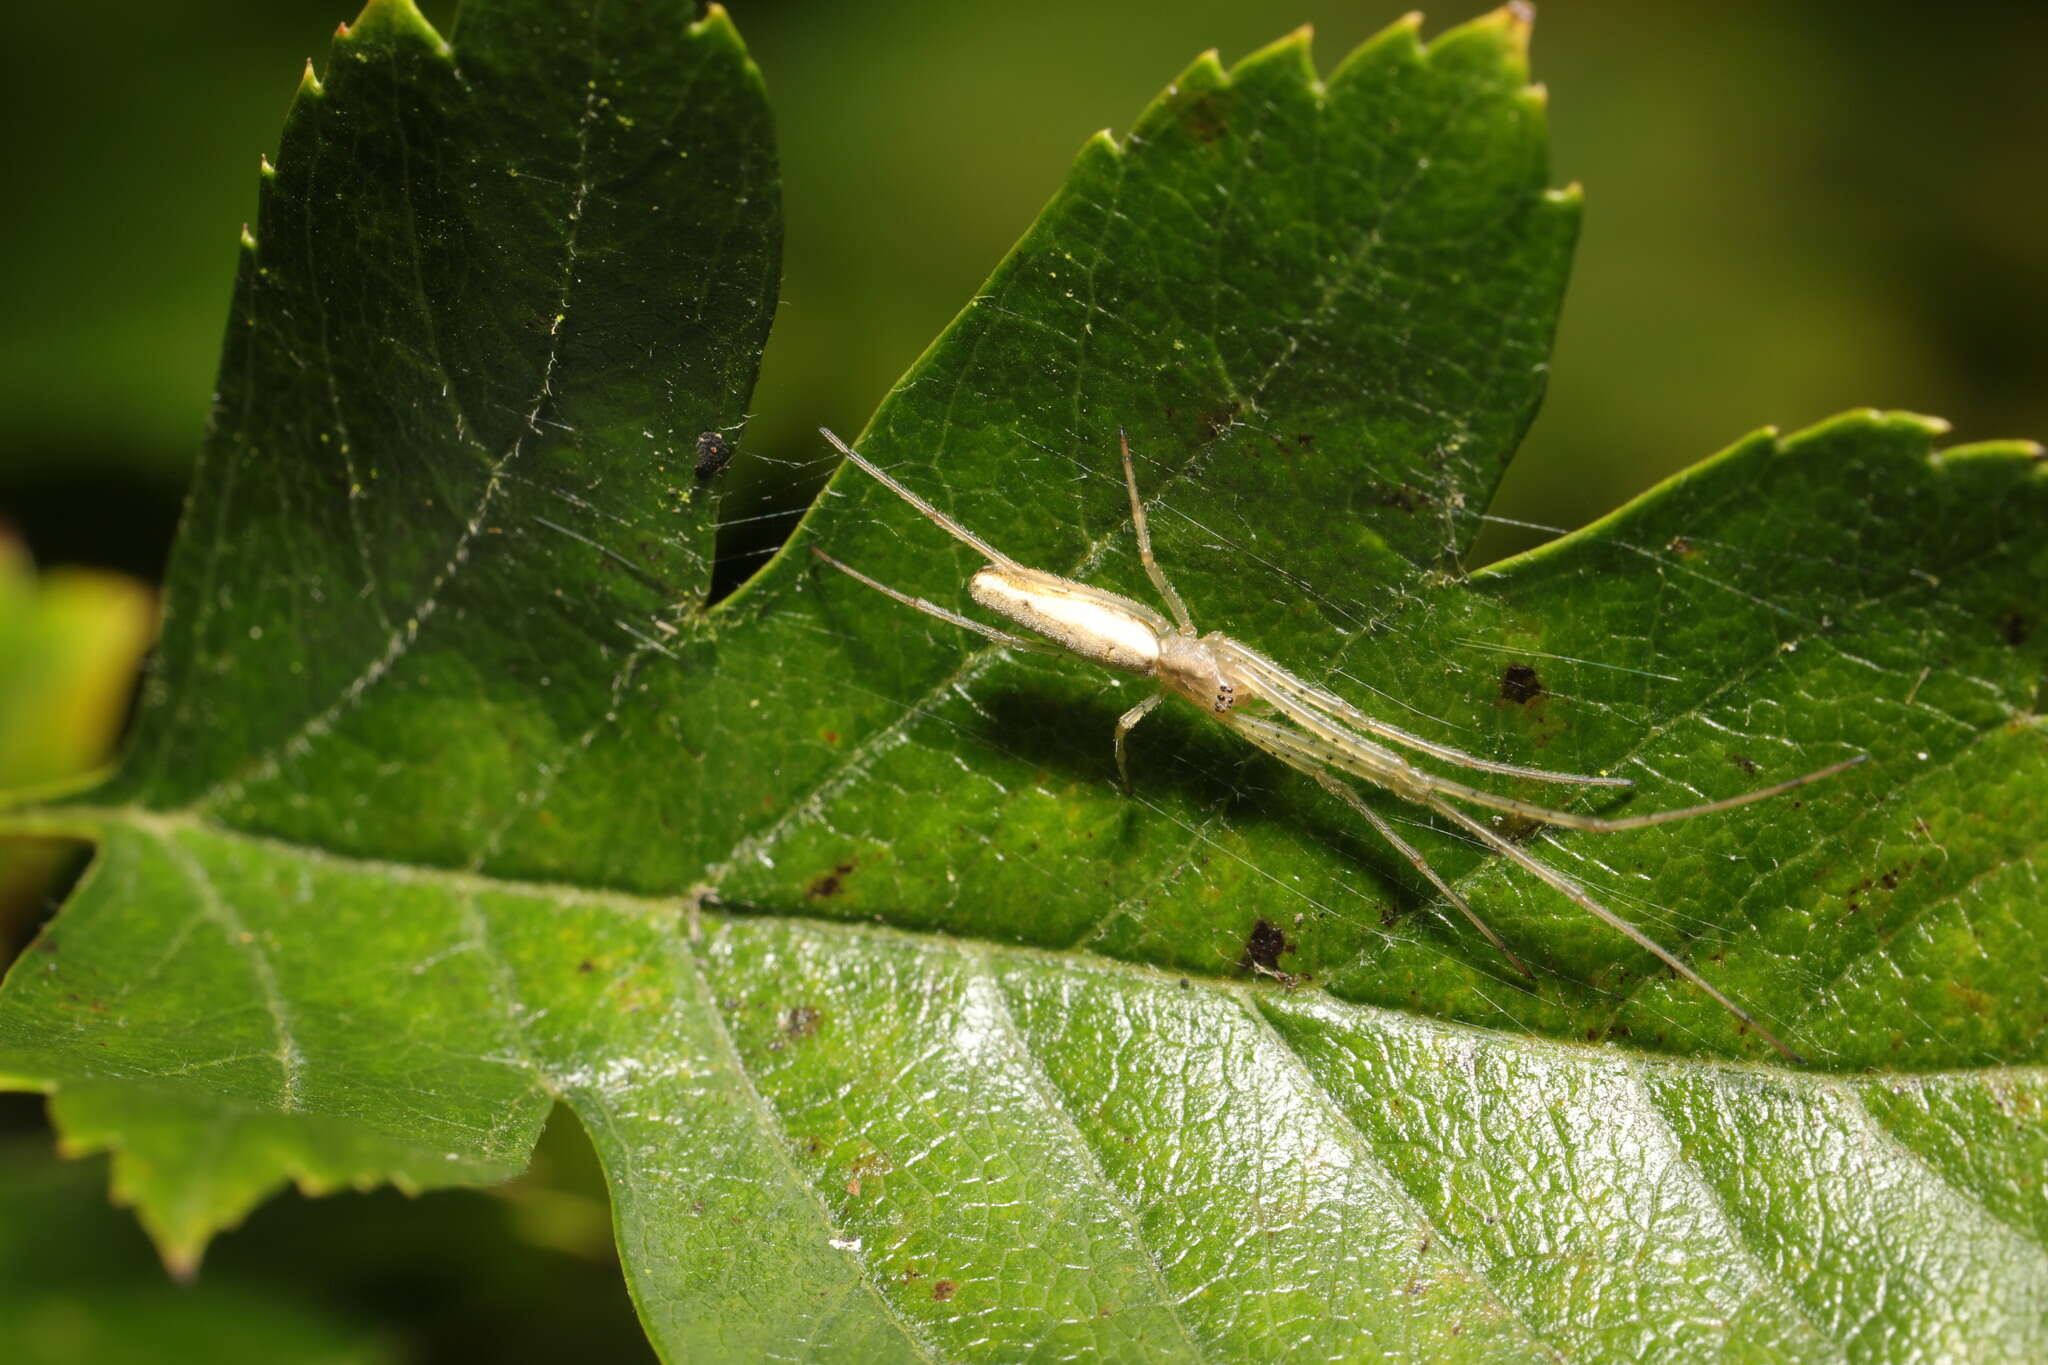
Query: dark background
[1793,208]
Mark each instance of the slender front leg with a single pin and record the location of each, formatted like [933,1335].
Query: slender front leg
[1124,725]
[954,618]
[1158,575]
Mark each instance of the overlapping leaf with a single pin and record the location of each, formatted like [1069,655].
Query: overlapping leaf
[902,1033]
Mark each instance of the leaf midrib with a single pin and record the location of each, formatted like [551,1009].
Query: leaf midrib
[88,823]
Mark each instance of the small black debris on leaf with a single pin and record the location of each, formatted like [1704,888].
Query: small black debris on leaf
[1264,945]
[714,453]
[1520,685]
[832,883]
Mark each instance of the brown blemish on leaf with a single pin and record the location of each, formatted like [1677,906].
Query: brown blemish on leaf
[1972,999]
[800,1021]
[1520,684]
[1681,547]
[1744,762]
[831,736]
[1206,118]
[943,1290]
[1264,945]
[2013,628]
[832,883]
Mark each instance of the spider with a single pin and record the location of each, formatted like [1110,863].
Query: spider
[1316,731]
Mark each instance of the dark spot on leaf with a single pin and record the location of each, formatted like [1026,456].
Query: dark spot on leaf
[1890,880]
[1681,547]
[1520,685]
[1744,762]
[1516,828]
[714,453]
[943,1290]
[800,1022]
[586,965]
[832,882]
[2013,628]
[831,736]
[1304,439]
[1264,945]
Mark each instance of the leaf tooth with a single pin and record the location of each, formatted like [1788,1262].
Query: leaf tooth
[1398,44]
[1289,59]
[310,86]
[1917,428]
[2009,448]
[1497,41]
[717,24]
[1203,77]
[390,22]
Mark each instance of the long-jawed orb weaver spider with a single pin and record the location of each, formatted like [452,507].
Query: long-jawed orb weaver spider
[1317,732]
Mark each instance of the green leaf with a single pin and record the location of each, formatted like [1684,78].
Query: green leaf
[899,1030]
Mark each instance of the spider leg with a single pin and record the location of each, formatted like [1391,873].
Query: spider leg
[938,518]
[1579,896]
[1602,825]
[1157,574]
[1001,637]
[1276,742]
[1306,704]
[1125,723]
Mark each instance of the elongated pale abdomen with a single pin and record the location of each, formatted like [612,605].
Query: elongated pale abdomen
[1111,630]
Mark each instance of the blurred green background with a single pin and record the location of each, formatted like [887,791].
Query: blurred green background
[1792,208]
